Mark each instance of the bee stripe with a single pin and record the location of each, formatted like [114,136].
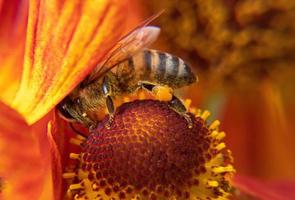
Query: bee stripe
[161,67]
[189,76]
[173,68]
[147,57]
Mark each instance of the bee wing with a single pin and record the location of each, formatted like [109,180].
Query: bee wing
[141,37]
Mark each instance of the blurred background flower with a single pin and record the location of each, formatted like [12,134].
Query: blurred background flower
[243,51]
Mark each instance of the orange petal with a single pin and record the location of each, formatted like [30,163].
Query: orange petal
[258,133]
[24,161]
[13,20]
[59,136]
[65,40]
[265,190]
[56,162]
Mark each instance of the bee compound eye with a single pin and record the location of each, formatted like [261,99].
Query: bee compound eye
[62,108]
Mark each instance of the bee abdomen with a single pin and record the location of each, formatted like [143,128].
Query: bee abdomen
[164,68]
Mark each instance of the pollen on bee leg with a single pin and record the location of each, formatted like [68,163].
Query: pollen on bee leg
[162,93]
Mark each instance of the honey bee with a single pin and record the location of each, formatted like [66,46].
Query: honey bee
[128,67]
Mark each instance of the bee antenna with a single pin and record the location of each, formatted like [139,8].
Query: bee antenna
[76,131]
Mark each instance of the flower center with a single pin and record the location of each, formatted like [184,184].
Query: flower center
[150,153]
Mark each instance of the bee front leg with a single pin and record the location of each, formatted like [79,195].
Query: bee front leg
[107,91]
[174,102]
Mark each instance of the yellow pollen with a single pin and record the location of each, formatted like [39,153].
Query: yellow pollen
[162,93]
[194,111]
[74,156]
[205,115]
[220,135]
[80,137]
[69,175]
[187,103]
[212,183]
[219,170]
[75,186]
[214,134]
[220,146]
[75,141]
[214,125]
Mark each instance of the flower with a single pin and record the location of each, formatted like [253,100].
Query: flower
[234,41]
[150,152]
[244,53]
[60,43]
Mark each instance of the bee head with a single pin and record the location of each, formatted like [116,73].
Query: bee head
[64,110]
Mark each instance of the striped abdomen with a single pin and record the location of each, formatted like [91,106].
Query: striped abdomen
[157,67]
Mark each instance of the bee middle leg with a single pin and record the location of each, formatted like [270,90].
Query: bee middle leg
[174,102]
[107,92]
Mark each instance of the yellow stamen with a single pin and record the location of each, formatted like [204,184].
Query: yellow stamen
[220,135]
[75,186]
[75,141]
[220,146]
[214,134]
[212,183]
[205,115]
[193,110]
[219,170]
[80,137]
[75,156]
[214,125]
[187,103]
[68,175]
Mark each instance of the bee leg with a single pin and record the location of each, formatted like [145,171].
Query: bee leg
[106,90]
[174,103]
[177,105]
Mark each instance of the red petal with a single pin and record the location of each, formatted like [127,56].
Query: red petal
[24,161]
[258,133]
[265,190]
[65,40]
